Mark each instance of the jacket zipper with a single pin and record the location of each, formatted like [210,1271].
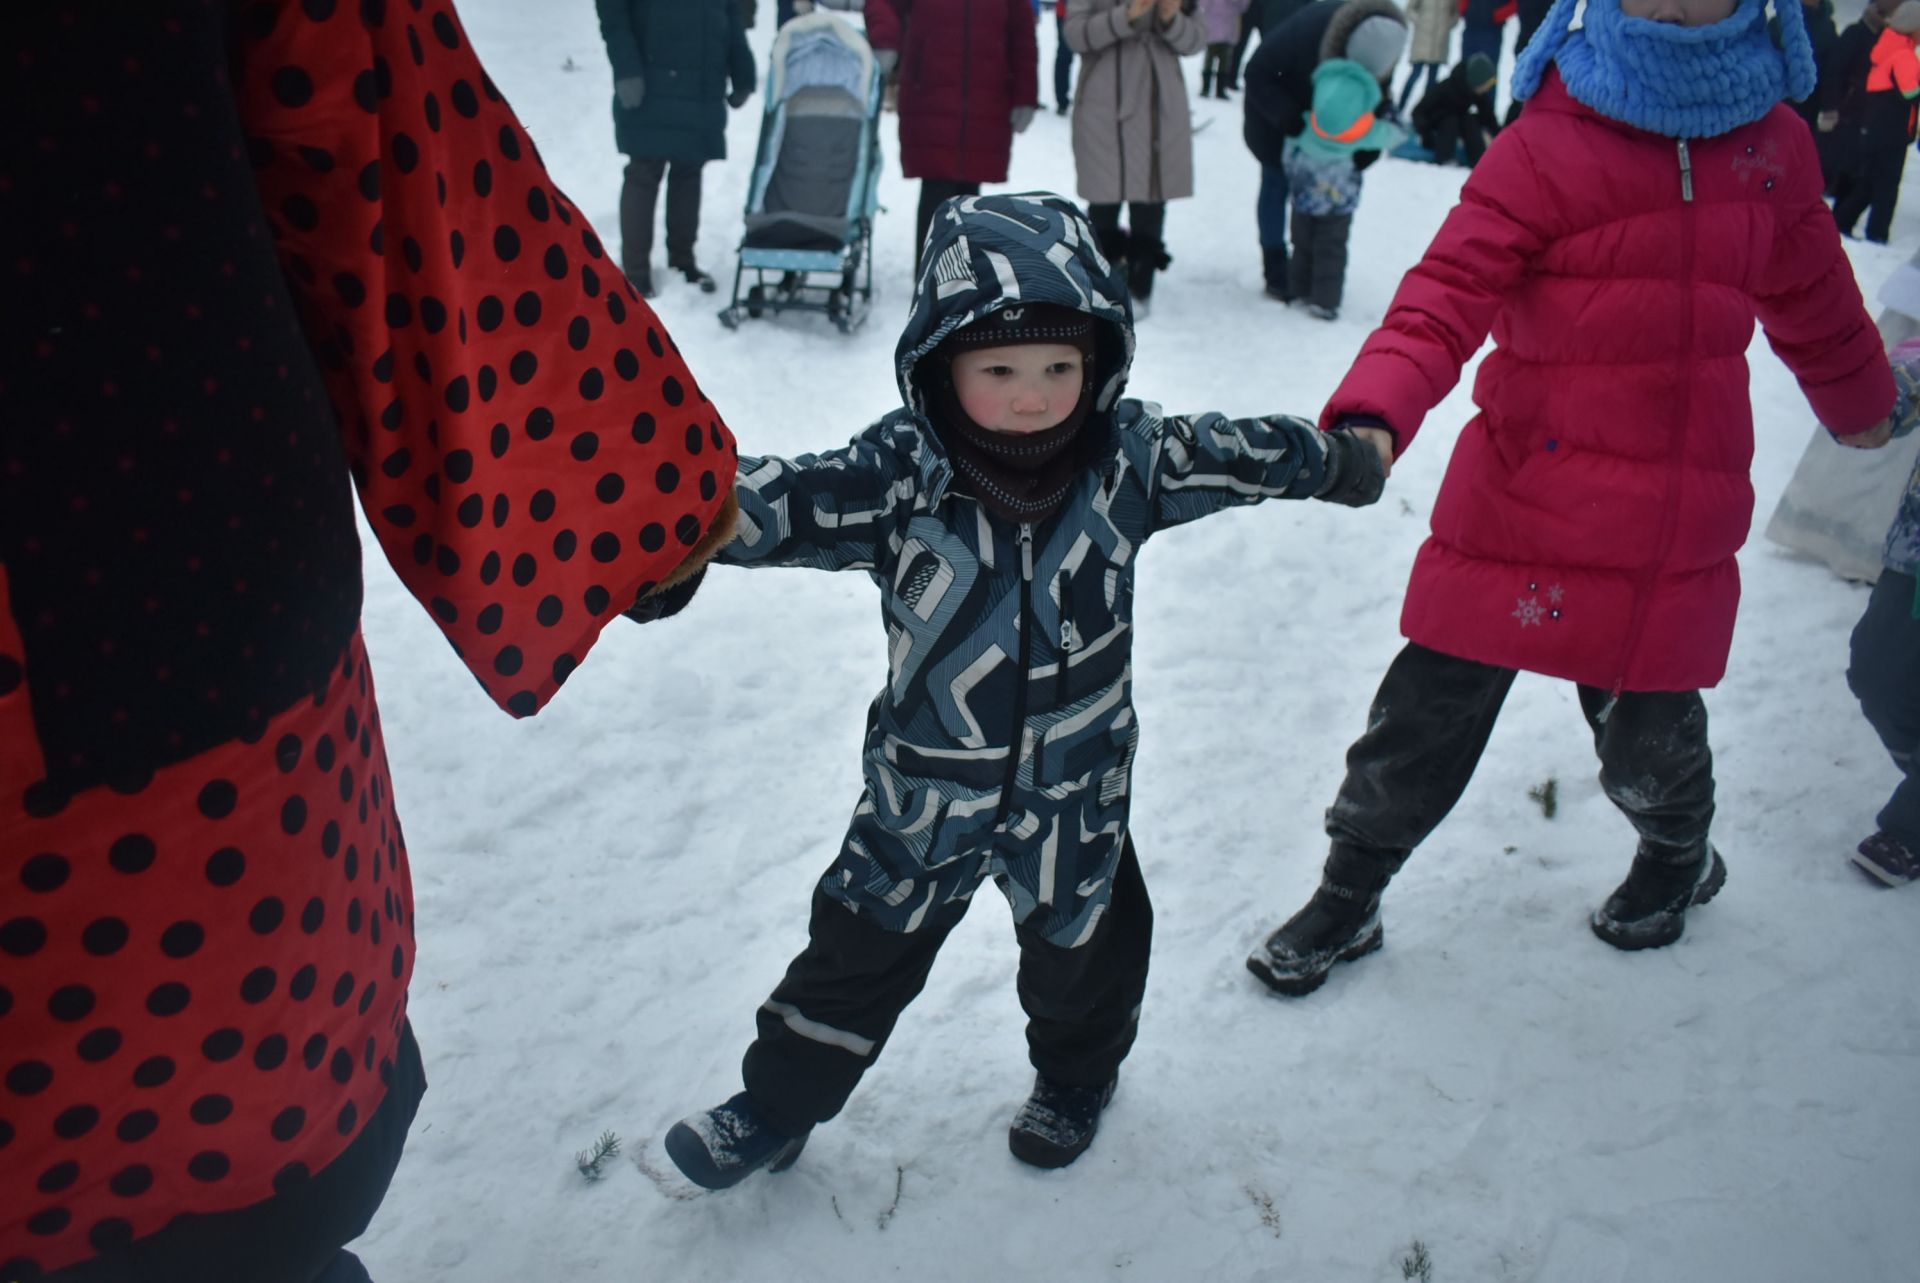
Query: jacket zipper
[1676,446]
[1025,623]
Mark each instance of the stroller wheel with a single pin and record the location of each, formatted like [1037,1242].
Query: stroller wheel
[756,302]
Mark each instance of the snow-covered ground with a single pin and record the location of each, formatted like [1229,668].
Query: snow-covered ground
[606,893]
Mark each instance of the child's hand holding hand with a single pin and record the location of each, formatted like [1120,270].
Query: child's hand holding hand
[1356,465]
[1137,9]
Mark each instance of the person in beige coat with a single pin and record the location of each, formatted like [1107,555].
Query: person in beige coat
[1431,45]
[1132,136]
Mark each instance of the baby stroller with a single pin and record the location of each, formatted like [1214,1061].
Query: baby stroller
[816,175]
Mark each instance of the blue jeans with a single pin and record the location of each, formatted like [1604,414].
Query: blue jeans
[1271,210]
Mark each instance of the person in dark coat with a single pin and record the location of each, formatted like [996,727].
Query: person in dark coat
[1459,111]
[677,67]
[1262,16]
[1840,97]
[246,279]
[969,81]
[1279,94]
[1887,126]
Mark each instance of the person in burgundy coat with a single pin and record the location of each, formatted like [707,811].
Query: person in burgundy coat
[969,81]
[1619,241]
[261,255]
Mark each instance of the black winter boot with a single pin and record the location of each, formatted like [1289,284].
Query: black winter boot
[691,270]
[1057,1123]
[728,1143]
[1649,909]
[1273,266]
[1113,245]
[1340,923]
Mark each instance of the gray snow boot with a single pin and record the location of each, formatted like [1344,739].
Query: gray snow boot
[1649,909]
[1057,1123]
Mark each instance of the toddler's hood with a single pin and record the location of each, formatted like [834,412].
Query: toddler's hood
[988,253]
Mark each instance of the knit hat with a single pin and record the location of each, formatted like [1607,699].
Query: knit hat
[1481,73]
[1376,44]
[1031,323]
[1345,97]
[1906,19]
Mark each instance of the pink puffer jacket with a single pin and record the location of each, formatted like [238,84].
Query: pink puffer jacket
[1589,518]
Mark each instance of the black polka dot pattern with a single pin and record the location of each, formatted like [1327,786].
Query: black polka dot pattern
[167,1068]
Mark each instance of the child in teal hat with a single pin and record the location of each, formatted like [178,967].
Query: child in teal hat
[1324,181]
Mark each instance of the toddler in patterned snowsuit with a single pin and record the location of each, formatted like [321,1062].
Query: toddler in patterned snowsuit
[1001,512]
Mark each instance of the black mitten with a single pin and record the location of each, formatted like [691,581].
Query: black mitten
[1355,476]
[667,601]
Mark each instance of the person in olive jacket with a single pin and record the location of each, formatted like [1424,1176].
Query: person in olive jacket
[674,65]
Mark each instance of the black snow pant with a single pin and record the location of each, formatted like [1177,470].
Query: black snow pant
[1884,673]
[829,1019]
[1445,135]
[933,193]
[1429,725]
[1873,190]
[294,1236]
[1317,270]
[639,196]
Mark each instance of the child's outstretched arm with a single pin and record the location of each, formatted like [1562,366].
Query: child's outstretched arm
[1810,307]
[1203,463]
[1445,306]
[831,511]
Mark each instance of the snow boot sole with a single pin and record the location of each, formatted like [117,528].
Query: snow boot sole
[1659,929]
[1297,977]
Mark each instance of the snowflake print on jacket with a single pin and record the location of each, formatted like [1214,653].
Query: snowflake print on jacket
[254,250]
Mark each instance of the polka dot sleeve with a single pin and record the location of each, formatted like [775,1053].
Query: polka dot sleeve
[531,450]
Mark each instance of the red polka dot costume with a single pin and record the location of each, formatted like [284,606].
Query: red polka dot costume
[255,250]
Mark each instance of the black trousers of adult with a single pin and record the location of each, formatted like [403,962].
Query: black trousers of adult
[1884,673]
[830,1018]
[1146,222]
[1874,189]
[1445,136]
[1429,725]
[1239,54]
[639,196]
[933,192]
[294,1236]
[1317,270]
[1062,59]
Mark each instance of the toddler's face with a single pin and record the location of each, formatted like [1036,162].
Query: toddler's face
[1020,388]
[1682,13]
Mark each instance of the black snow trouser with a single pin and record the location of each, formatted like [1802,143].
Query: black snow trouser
[1317,271]
[1429,725]
[1447,133]
[829,1019]
[1884,673]
[1874,190]
[640,196]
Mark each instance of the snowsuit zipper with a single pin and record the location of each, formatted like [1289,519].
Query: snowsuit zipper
[1677,439]
[1025,623]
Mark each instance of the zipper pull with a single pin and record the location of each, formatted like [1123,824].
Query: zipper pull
[1026,552]
[1066,614]
[1686,172]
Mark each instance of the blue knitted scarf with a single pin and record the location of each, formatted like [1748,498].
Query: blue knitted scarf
[1683,82]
